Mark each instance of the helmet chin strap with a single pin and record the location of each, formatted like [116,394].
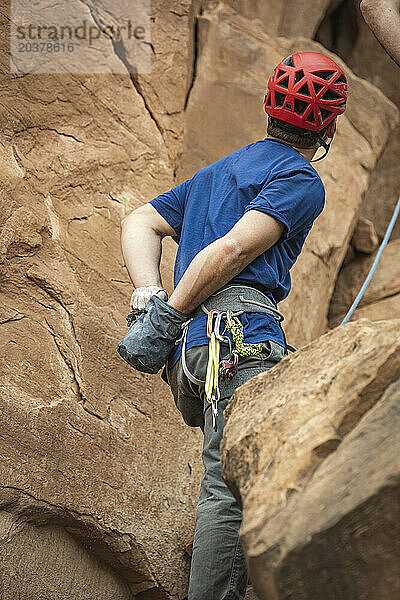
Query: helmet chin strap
[325,146]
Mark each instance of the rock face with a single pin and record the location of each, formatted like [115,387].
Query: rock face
[344,31]
[369,60]
[86,444]
[47,562]
[383,191]
[384,287]
[225,112]
[358,46]
[96,465]
[311,448]
[365,238]
[289,18]
[377,311]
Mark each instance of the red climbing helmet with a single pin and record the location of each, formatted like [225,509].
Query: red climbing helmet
[308,90]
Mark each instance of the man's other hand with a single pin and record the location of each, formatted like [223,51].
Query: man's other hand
[383,18]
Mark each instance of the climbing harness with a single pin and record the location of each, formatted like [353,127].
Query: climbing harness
[374,264]
[226,369]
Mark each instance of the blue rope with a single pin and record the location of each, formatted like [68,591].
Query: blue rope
[374,264]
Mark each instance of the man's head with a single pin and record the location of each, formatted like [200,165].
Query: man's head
[306,93]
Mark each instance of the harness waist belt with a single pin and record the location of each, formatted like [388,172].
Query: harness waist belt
[239,298]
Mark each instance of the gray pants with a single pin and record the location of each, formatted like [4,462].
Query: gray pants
[218,568]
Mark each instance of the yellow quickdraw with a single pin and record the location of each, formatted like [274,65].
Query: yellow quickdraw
[234,325]
[211,384]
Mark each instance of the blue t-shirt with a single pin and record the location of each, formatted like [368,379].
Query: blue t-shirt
[269,176]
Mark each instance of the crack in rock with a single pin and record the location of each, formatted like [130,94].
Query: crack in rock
[195,55]
[62,133]
[121,54]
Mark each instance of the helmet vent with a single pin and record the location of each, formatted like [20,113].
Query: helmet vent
[305,90]
[269,99]
[299,76]
[285,82]
[300,106]
[341,79]
[324,74]
[280,73]
[288,61]
[317,87]
[325,113]
[311,118]
[331,95]
[279,99]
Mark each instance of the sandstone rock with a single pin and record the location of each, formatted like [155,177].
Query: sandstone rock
[383,192]
[349,256]
[225,112]
[164,89]
[82,436]
[85,443]
[289,18]
[356,44]
[95,461]
[269,12]
[364,237]
[376,311]
[369,60]
[47,562]
[385,282]
[311,449]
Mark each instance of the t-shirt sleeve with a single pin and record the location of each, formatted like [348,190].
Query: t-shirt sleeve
[295,198]
[171,205]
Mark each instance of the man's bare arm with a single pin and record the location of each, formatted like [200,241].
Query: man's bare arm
[142,232]
[383,18]
[222,260]
[141,235]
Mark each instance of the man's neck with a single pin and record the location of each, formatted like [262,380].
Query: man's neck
[308,153]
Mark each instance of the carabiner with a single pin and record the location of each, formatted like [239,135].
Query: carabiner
[211,314]
[217,328]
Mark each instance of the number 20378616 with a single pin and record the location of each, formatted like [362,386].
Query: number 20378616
[45,47]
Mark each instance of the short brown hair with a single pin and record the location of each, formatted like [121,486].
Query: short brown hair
[297,136]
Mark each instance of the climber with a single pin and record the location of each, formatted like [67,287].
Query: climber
[383,18]
[240,223]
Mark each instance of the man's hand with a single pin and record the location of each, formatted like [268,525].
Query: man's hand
[383,18]
[142,295]
[221,261]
